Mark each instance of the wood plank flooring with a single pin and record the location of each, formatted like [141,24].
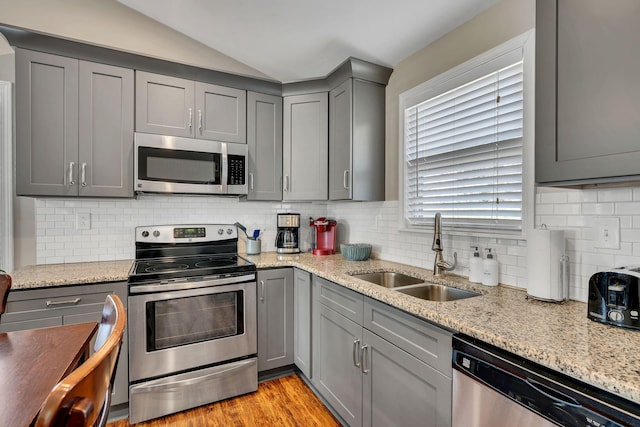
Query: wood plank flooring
[286,402]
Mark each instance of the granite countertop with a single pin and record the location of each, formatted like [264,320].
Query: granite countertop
[556,335]
[50,275]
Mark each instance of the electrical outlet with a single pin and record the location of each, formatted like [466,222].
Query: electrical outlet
[83,221]
[606,233]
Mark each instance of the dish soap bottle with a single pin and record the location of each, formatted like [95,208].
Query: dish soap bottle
[489,269]
[476,269]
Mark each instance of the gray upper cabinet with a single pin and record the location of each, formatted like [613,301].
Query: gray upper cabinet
[178,107]
[356,141]
[275,318]
[74,127]
[587,91]
[264,138]
[305,147]
[164,105]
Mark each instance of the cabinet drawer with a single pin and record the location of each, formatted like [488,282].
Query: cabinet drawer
[43,303]
[340,299]
[422,340]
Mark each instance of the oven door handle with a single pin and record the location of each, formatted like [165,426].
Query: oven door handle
[180,286]
[196,380]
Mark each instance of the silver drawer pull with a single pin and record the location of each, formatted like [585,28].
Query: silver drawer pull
[68,302]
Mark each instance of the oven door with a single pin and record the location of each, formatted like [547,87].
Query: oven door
[176,331]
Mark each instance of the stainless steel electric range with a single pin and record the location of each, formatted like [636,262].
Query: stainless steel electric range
[192,319]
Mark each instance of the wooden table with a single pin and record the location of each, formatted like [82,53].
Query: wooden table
[32,362]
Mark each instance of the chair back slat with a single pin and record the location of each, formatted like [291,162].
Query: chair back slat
[5,285]
[82,398]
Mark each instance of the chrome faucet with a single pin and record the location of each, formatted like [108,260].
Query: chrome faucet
[439,264]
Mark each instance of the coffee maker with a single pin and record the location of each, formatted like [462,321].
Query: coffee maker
[287,237]
[325,230]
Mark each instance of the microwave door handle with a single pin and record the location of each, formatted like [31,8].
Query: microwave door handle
[225,167]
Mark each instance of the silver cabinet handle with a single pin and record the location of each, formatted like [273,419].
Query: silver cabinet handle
[356,357]
[286,183]
[71,166]
[345,179]
[200,120]
[251,180]
[83,174]
[261,290]
[190,119]
[364,351]
[68,302]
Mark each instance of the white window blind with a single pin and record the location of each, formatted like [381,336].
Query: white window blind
[463,154]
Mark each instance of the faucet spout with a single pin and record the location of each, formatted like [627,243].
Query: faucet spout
[440,266]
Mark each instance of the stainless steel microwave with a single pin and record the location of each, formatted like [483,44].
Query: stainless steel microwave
[169,164]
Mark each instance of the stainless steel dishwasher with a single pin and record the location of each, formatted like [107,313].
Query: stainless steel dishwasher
[492,387]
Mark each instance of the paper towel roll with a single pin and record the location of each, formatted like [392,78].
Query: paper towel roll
[545,265]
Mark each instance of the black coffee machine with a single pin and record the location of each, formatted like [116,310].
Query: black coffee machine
[287,238]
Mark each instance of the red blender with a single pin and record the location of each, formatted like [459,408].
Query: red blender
[325,230]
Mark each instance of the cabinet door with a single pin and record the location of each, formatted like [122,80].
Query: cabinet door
[400,390]
[305,147]
[302,321]
[46,124]
[264,137]
[336,363]
[587,91]
[221,113]
[105,131]
[164,105]
[340,138]
[275,318]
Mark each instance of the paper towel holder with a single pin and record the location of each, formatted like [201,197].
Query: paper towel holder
[547,267]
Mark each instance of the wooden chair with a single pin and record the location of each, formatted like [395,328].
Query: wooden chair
[5,285]
[83,397]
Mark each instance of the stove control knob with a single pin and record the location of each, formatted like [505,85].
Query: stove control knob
[229,231]
[145,233]
[156,233]
[220,231]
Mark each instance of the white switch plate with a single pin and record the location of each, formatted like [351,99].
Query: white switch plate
[83,221]
[606,233]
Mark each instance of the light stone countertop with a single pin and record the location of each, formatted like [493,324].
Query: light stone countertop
[559,336]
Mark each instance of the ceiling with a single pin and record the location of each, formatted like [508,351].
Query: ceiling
[292,40]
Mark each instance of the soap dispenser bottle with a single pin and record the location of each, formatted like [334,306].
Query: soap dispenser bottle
[476,268]
[489,269]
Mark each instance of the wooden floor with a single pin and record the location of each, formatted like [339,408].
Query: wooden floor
[285,401]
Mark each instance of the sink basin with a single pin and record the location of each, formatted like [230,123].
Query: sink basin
[435,292]
[388,279]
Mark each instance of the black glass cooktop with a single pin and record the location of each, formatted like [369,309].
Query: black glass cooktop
[159,269]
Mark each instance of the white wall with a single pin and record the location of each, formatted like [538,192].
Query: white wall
[110,24]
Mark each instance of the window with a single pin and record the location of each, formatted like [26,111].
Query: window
[463,135]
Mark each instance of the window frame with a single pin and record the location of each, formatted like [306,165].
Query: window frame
[457,76]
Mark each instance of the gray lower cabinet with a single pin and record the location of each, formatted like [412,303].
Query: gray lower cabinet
[587,91]
[305,147]
[264,139]
[356,141]
[302,297]
[173,106]
[376,365]
[275,318]
[39,308]
[74,127]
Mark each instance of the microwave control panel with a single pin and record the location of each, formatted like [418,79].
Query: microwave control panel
[236,170]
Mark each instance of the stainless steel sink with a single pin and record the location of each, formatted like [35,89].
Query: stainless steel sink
[435,292]
[389,279]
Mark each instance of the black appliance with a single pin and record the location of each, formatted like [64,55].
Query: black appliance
[288,234]
[614,297]
[492,387]
[192,320]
